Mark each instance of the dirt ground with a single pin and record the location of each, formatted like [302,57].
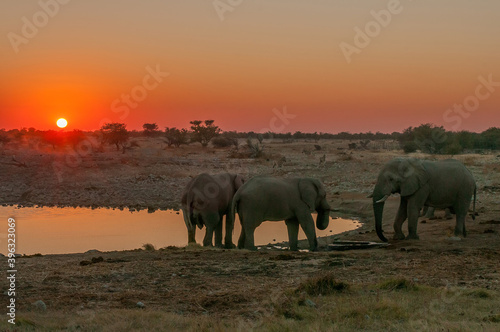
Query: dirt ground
[236,284]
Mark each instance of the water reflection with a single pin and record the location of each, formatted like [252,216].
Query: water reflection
[68,230]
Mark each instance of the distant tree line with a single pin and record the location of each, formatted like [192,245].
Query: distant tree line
[436,140]
[427,138]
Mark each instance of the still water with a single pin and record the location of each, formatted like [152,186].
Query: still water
[69,230]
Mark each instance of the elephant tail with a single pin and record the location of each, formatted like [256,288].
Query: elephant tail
[474,204]
[234,205]
[187,213]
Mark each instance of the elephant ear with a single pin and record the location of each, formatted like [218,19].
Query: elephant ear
[309,190]
[414,176]
[238,181]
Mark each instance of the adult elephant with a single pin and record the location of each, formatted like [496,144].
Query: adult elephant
[438,184]
[273,199]
[205,201]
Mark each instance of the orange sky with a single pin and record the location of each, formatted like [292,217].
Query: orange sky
[264,55]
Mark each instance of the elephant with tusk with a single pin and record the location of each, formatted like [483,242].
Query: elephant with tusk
[437,184]
[205,201]
[293,200]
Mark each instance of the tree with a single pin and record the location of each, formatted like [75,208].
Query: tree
[204,133]
[175,136]
[115,133]
[427,137]
[4,138]
[54,138]
[75,137]
[150,129]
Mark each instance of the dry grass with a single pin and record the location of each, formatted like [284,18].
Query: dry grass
[398,284]
[361,308]
[325,284]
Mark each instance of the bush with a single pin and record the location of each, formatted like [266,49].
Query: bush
[454,148]
[176,136]
[224,142]
[410,147]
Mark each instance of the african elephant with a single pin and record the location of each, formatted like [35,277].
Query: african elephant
[206,199]
[273,199]
[439,184]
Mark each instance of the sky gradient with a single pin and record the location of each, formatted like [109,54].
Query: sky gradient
[85,59]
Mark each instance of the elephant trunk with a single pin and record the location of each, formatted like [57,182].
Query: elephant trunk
[378,211]
[323,218]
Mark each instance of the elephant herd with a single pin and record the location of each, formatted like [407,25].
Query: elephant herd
[422,184]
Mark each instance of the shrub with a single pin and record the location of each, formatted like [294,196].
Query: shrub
[256,149]
[148,247]
[322,285]
[176,136]
[224,142]
[410,147]
[454,148]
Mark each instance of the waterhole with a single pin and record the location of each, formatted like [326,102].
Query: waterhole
[72,230]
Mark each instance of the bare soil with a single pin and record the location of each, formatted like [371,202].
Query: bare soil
[235,285]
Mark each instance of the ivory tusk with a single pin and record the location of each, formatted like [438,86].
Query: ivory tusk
[383,199]
[370,196]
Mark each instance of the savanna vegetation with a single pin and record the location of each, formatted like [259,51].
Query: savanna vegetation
[426,138]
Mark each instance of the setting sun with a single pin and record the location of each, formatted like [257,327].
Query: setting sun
[62,123]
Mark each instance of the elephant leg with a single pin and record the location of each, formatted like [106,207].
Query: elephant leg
[447,214]
[207,240]
[218,234]
[424,211]
[248,226]
[430,213]
[307,224]
[228,240]
[400,219]
[413,211]
[241,240]
[192,235]
[460,225]
[249,239]
[292,226]
[211,221]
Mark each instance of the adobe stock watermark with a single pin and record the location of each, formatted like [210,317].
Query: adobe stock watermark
[458,112]
[471,103]
[279,121]
[447,297]
[31,25]
[225,6]
[372,29]
[138,93]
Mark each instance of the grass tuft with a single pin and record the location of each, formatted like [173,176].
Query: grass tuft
[479,293]
[399,284]
[322,285]
[492,318]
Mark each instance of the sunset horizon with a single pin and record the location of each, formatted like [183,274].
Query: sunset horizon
[370,67]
